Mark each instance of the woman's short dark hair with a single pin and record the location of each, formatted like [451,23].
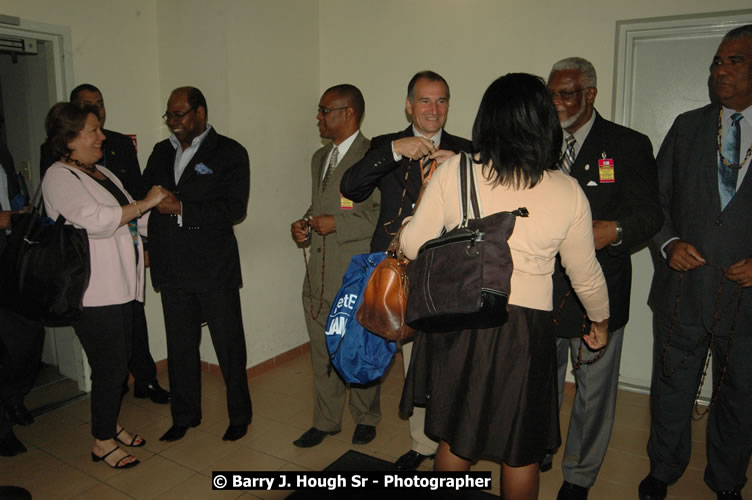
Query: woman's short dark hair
[63,123]
[517,131]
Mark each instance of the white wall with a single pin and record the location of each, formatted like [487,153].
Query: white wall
[257,64]
[263,64]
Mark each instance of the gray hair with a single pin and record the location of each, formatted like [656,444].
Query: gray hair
[737,33]
[578,64]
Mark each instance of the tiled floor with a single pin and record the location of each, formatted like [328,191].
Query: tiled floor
[58,465]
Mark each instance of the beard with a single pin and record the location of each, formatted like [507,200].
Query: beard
[573,119]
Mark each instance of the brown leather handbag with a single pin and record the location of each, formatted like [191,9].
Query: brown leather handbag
[385,297]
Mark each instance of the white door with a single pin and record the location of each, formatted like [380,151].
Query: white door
[662,70]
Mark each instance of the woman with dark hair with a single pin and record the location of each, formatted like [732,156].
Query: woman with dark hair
[492,392]
[91,197]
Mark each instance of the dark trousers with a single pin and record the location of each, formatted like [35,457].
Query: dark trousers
[184,312]
[729,429]
[141,364]
[21,342]
[106,334]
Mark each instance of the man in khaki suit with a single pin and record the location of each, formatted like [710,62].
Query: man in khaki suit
[334,229]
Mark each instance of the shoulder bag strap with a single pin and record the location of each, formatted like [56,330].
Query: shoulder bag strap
[473,191]
[462,174]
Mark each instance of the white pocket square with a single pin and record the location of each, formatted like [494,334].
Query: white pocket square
[592,183]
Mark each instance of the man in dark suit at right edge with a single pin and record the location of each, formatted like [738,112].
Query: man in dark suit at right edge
[704,250]
[392,164]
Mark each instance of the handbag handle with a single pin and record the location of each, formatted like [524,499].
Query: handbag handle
[467,176]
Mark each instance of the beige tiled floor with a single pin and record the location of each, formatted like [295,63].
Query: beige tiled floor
[58,465]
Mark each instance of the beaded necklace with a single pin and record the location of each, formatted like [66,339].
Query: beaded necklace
[735,166]
[89,168]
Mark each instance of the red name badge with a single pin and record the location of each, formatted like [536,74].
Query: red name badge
[606,170]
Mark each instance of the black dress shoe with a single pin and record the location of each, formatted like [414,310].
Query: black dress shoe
[569,491]
[14,493]
[410,460]
[176,432]
[10,446]
[18,414]
[729,495]
[652,489]
[235,432]
[363,434]
[154,392]
[312,437]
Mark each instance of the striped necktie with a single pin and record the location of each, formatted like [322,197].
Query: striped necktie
[567,159]
[331,167]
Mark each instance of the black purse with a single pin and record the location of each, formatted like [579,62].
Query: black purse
[461,280]
[45,268]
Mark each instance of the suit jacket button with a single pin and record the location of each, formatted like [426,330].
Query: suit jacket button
[718,222]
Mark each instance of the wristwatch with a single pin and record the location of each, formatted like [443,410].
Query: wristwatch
[619,234]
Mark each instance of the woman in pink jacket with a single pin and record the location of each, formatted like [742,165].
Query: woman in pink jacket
[91,197]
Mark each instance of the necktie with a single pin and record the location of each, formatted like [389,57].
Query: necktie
[727,176]
[567,160]
[331,167]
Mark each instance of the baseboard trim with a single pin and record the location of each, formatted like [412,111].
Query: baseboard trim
[255,370]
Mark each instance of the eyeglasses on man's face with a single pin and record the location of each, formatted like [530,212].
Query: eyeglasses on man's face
[565,95]
[178,115]
[325,111]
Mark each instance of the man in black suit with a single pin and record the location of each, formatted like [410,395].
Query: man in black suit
[21,338]
[119,157]
[194,257]
[703,262]
[393,165]
[615,167]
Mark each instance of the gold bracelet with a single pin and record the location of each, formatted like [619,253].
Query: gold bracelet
[139,210]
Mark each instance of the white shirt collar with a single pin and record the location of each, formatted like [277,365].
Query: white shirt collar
[436,139]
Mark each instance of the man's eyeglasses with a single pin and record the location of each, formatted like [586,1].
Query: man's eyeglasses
[325,111]
[566,95]
[177,115]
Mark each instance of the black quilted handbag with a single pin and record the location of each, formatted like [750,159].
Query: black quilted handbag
[461,280]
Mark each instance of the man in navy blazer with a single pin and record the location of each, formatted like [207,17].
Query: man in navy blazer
[703,269]
[393,165]
[614,166]
[194,257]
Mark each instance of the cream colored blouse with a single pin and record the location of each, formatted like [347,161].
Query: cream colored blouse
[559,222]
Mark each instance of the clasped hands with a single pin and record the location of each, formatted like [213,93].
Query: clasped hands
[683,256]
[323,224]
[167,202]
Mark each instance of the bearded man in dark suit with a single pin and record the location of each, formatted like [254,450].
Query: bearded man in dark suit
[614,166]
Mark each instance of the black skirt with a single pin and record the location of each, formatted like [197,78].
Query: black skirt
[489,393]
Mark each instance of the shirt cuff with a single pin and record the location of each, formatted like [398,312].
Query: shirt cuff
[397,157]
[180,215]
[663,247]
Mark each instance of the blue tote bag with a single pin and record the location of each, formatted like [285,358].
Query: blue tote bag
[358,355]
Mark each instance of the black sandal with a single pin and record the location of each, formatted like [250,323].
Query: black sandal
[139,445]
[97,458]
